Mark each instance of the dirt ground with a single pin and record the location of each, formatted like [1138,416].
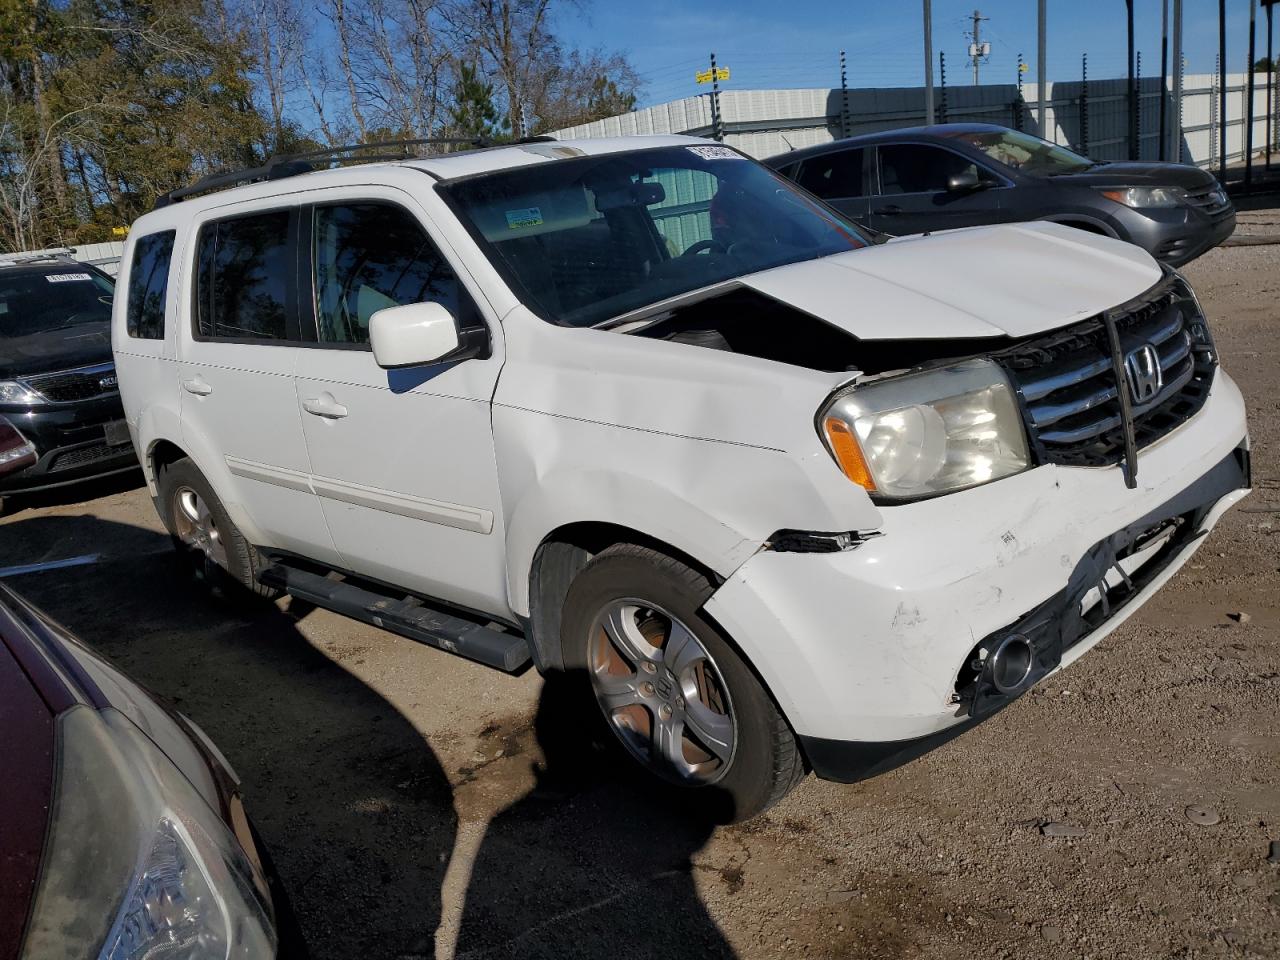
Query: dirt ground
[416,809]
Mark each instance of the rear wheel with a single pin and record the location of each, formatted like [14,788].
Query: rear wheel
[675,696]
[201,529]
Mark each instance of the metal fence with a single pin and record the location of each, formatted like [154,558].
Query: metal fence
[1091,116]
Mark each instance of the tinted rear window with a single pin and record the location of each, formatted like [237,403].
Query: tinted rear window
[149,285]
[244,277]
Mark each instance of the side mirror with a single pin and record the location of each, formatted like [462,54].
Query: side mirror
[961,182]
[412,335]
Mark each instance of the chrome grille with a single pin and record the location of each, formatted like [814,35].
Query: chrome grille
[1212,200]
[1070,391]
[68,386]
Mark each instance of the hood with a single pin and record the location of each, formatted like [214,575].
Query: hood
[46,351]
[1012,280]
[1135,174]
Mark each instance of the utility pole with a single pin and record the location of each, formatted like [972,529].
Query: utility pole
[1222,89]
[1133,93]
[978,51]
[1248,112]
[1041,71]
[1175,152]
[1164,77]
[930,114]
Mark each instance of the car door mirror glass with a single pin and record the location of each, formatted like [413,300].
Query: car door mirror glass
[411,335]
[967,180]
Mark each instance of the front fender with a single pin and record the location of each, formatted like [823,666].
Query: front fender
[716,502]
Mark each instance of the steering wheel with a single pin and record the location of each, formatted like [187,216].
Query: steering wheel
[703,246]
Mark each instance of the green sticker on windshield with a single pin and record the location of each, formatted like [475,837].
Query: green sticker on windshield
[527,217]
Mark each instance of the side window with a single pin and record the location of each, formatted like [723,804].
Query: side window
[833,175]
[149,285]
[243,278]
[368,256]
[914,168]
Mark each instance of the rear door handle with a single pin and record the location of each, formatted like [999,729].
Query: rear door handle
[888,211]
[197,386]
[325,406]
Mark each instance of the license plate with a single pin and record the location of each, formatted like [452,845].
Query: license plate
[117,433]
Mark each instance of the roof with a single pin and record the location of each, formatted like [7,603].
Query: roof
[490,159]
[939,131]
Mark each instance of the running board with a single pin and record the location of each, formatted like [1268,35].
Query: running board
[407,617]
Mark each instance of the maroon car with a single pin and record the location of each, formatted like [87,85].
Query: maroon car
[122,834]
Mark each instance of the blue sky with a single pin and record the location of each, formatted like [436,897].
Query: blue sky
[796,43]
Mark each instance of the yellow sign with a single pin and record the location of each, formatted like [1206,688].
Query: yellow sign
[722,73]
[119,231]
[1023,68]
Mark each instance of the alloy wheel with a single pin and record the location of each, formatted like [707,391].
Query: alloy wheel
[662,692]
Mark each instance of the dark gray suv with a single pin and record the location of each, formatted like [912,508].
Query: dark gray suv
[970,174]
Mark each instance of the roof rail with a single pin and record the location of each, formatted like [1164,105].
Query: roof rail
[280,166]
[32,256]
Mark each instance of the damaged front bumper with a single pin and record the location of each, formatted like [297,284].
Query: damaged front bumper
[881,653]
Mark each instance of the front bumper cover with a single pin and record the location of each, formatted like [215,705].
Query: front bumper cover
[1060,624]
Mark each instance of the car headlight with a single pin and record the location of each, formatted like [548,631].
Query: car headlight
[922,434]
[1147,198]
[12,391]
[137,865]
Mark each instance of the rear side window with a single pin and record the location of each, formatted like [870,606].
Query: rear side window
[833,175]
[149,285]
[369,256]
[914,168]
[244,278]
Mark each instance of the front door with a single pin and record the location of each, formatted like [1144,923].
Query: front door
[240,416]
[913,196]
[402,460]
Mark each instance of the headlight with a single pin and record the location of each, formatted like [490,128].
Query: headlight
[137,864]
[16,451]
[928,433]
[1147,197]
[11,391]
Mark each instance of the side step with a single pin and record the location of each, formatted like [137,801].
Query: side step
[407,617]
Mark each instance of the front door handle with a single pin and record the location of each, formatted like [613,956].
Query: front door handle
[891,210]
[325,406]
[198,386]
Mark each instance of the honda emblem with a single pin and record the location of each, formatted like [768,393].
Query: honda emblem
[1145,376]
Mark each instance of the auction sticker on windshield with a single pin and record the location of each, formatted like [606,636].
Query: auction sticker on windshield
[716,153]
[528,217]
[65,277]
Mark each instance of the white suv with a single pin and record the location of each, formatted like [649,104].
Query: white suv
[776,497]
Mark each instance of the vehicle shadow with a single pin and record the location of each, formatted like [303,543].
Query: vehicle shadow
[350,798]
[12,504]
[592,861]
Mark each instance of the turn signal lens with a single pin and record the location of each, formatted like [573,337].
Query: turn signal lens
[15,450]
[848,454]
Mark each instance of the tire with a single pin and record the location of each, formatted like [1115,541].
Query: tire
[222,557]
[682,704]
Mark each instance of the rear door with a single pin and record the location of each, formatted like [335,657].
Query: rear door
[912,195]
[402,460]
[840,178]
[239,408]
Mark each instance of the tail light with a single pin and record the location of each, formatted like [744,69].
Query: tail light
[16,451]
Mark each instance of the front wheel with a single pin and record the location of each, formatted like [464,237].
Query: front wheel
[676,696]
[202,529]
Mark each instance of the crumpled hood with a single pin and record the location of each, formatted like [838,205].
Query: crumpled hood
[1010,280]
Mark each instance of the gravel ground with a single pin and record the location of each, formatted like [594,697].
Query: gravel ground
[421,806]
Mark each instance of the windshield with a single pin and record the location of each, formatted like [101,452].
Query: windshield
[34,300]
[587,239]
[1026,153]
